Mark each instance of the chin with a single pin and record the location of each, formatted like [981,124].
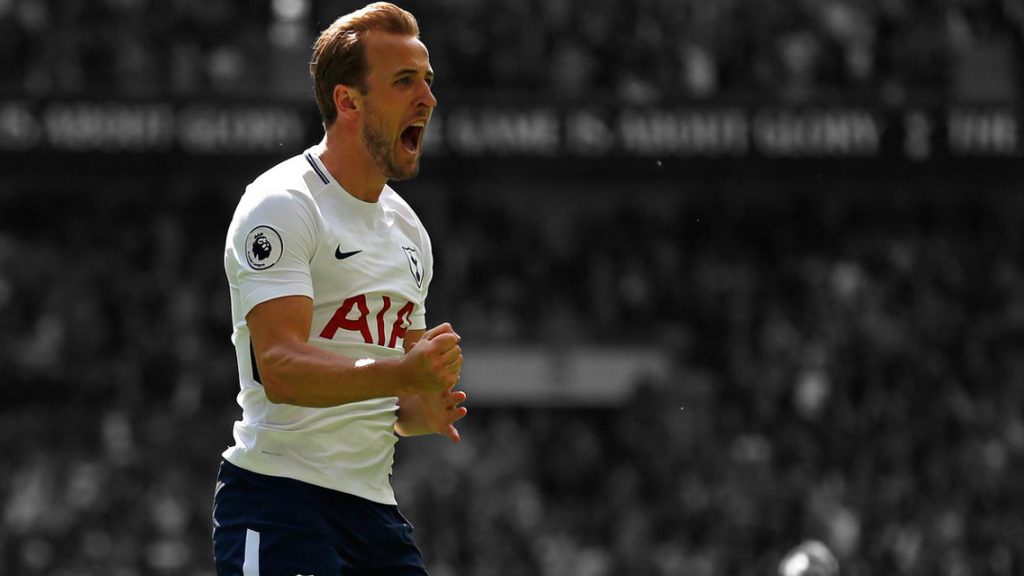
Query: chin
[398,174]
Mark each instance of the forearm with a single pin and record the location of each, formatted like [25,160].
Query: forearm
[295,372]
[299,374]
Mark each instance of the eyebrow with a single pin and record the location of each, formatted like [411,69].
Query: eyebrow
[404,71]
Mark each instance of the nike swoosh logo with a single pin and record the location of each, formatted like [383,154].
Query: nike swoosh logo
[342,255]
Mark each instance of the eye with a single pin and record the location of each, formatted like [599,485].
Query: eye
[403,81]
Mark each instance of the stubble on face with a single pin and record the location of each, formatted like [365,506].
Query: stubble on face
[382,148]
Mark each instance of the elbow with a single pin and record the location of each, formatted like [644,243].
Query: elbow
[276,393]
[275,386]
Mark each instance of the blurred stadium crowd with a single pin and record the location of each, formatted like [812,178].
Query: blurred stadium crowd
[847,352]
[632,51]
[848,368]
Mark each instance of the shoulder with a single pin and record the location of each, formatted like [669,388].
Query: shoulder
[280,199]
[393,202]
[290,175]
[286,186]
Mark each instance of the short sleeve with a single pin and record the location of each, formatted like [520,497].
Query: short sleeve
[270,247]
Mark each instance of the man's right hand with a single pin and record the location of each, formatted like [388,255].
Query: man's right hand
[434,363]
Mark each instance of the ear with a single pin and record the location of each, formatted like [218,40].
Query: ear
[346,100]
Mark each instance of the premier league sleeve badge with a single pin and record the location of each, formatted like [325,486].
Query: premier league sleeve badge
[263,247]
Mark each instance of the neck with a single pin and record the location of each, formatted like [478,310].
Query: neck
[352,167]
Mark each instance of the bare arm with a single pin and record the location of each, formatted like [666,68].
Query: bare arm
[298,373]
[430,412]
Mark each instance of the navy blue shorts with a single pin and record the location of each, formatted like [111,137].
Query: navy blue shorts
[270,526]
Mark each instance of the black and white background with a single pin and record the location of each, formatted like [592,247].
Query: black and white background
[729,274]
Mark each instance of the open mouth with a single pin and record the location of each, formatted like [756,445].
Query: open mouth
[412,136]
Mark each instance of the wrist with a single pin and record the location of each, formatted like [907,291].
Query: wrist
[390,374]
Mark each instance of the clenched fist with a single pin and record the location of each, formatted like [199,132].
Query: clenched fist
[434,363]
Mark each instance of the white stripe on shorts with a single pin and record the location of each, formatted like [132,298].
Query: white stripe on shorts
[251,565]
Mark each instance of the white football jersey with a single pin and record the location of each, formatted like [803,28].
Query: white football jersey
[366,266]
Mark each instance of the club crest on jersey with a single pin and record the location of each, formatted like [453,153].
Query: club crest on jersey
[263,247]
[415,266]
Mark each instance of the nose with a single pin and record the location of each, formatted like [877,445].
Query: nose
[427,98]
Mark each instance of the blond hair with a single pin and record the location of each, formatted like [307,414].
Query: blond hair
[339,54]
